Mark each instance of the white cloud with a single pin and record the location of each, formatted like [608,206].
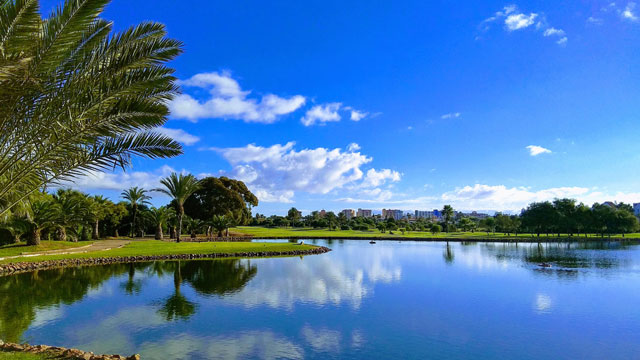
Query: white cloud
[519,21]
[358,115]
[628,12]
[514,20]
[227,100]
[553,31]
[322,114]
[594,20]
[451,115]
[535,150]
[179,135]
[276,172]
[353,147]
[376,178]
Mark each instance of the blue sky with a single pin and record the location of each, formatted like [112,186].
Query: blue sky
[485,105]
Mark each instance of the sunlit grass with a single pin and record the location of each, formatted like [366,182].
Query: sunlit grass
[156,247]
[258,232]
[22,247]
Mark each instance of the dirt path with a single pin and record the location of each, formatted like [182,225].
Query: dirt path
[100,245]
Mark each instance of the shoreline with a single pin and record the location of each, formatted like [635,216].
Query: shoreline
[59,352]
[23,267]
[544,239]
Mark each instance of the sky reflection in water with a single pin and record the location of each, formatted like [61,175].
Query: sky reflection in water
[410,299]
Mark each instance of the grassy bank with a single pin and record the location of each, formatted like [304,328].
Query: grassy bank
[23,356]
[23,248]
[262,232]
[160,248]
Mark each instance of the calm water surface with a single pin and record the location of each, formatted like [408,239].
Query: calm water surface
[383,301]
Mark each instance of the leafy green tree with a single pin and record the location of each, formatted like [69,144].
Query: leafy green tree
[219,196]
[136,197]
[489,224]
[179,188]
[75,97]
[99,208]
[293,215]
[435,229]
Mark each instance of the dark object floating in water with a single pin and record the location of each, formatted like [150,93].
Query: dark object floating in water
[372,242]
[546,265]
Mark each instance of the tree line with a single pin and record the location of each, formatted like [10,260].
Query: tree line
[196,206]
[561,216]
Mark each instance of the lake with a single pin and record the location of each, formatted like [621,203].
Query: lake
[383,301]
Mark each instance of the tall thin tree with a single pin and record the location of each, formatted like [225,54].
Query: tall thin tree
[179,187]
[136,197]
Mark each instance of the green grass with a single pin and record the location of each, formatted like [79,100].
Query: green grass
[156,247]
[20,248]
[259,232]
[22,356]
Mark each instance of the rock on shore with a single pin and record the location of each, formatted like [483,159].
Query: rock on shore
[61,352]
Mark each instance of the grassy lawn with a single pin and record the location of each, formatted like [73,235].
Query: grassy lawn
[302,232]
[22,356]
[20,248]
[156,247]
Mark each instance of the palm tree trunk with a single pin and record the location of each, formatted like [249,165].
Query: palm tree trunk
[179,230]
[62,233]
[34,239]
[133,223]
[159,235]
[96,232]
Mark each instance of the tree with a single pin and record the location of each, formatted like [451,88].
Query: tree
[293,215]
[219,196]
[447,216]
[160,216]
[136,197]
[76,98]
[98,210]
[41,214]
[179,188]
[435,229]
[540,217]
[489,224]
[70,207]
[220,223]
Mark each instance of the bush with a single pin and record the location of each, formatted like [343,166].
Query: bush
[345,227]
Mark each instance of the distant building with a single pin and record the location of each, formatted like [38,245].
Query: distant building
[609,203]
[420,214]
[349,213]
[437,214]
[636,209]
[476,215]
[322,213]
[365,213]
[392,213]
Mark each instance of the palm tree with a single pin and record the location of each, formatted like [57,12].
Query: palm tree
[41,214]
[179,188]
[70,208]
[99,207]
[135,196]
[220,224]
[76,97]
[447,215]
[160,216]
